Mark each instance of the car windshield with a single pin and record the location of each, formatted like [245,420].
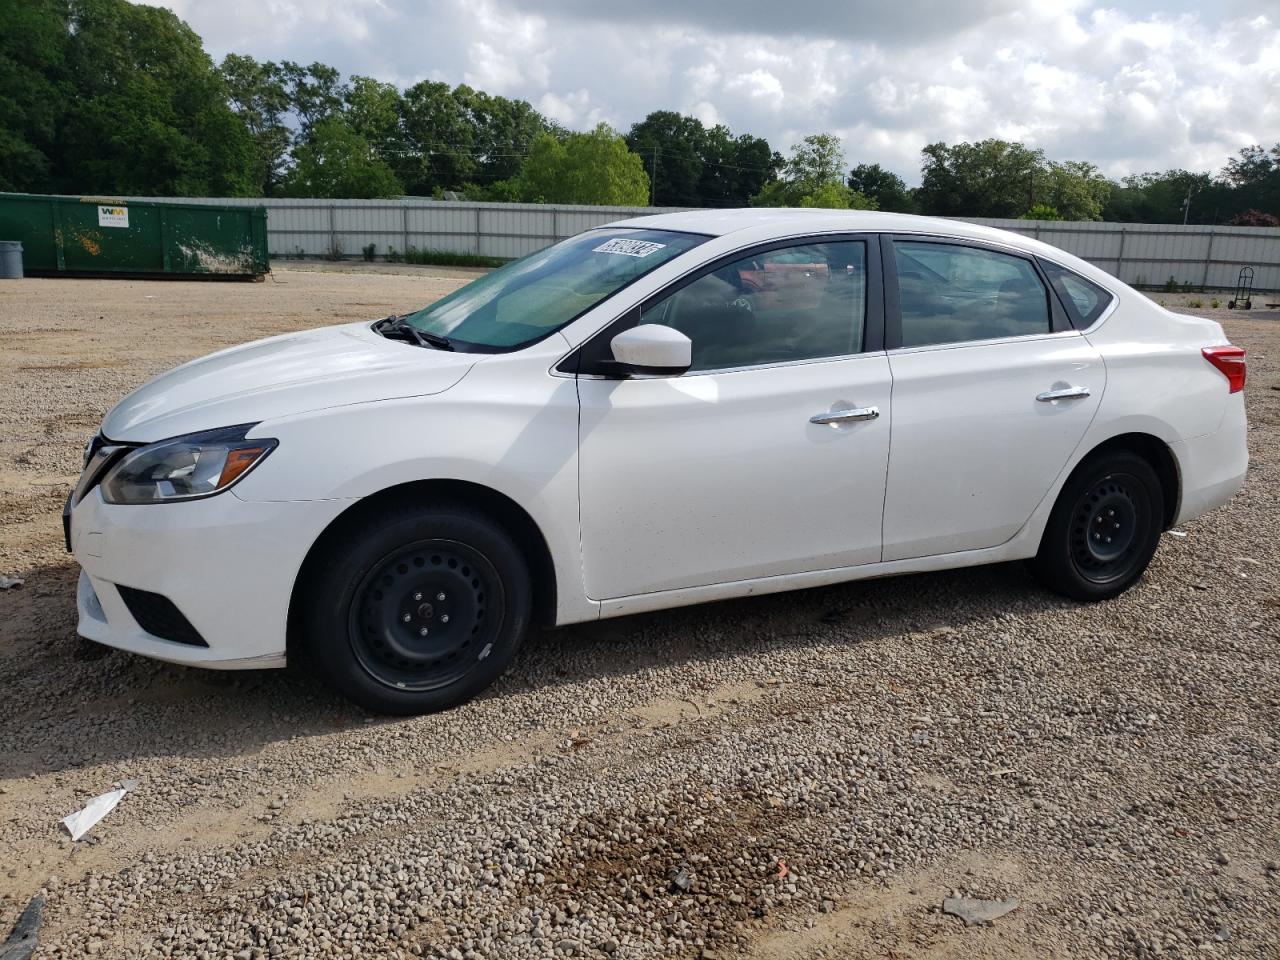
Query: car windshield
[524,301]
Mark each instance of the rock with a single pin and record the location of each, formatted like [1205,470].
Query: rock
[976,912]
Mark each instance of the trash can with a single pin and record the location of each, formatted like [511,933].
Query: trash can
[10,259]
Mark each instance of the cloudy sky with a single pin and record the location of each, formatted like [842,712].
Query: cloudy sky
[1131,86]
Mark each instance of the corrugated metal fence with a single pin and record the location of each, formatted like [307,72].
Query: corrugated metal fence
[1138,253]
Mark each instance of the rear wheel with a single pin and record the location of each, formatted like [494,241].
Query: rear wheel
[1104,528]
[418,611]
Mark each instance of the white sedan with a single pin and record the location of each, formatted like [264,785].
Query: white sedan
[664,411]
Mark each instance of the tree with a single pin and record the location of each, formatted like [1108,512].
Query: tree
[815,161]
[1042,211]
[316,92]
[1254,179]
[1254,218]
[147,111]
[33,86]
[256,92]
[1076,189]
[837,196]
[372,110]
[338,162]
[1160,198]
[990,178]
[887,189]
[589,168]
[672,148]
[439,137]
[813,177]
[504,130]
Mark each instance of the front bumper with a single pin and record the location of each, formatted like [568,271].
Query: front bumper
[228,565]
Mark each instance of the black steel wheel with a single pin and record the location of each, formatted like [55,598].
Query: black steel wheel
[416,609]
[426,615]
[1109,527]
[1104,528]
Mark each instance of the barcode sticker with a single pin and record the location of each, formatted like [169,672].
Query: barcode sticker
[629,248]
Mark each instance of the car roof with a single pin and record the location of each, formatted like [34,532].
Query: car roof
[760,224]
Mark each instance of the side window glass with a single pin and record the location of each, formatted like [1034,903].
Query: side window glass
[1084,299]
[795,303]
[950,293]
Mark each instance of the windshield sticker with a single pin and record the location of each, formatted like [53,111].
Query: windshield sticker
[629,248]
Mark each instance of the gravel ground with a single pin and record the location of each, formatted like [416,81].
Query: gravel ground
[805,775]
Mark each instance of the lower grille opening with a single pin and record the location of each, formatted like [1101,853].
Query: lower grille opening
[157,615]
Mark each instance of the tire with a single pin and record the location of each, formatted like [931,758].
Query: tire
[1104,528]
[417,610]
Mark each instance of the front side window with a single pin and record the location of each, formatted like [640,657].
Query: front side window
[949,293]
[795,303]
[524,301]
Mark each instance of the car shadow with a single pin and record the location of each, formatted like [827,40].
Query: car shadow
[71,703]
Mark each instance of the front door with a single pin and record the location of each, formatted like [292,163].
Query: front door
[722,474]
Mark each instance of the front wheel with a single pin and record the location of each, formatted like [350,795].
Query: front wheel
[418,610]
[1103,530]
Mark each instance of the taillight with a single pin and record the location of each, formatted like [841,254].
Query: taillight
[1230,361]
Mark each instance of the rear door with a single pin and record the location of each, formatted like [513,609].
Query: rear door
[992,391]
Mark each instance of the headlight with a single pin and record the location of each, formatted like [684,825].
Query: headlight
[185,468]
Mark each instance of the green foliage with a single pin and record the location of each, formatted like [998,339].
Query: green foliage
[1042,211]
[337,162]
[886,189]
[1076,189]
[587,168]
[1159,198]
[34,87]
[257,94]
[104,96]
[369,251]
[692,166]
[447,258]
[990,178]
[813,177]
[836,196]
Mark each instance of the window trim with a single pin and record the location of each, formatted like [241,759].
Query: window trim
[1059,322]
[584,361]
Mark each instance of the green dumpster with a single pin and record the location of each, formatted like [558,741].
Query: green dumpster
[102,236]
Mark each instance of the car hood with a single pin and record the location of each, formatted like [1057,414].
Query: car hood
[282,376]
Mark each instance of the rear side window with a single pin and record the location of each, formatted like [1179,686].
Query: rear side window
[949,293]
[1084,299]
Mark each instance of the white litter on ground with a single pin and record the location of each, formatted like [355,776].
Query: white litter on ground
[82,821]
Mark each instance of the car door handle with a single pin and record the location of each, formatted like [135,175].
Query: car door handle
[1065,393]
[846,416]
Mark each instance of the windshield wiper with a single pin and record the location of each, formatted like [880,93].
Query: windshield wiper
[399,325]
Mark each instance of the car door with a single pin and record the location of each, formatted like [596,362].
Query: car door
[992,391]
[768,456]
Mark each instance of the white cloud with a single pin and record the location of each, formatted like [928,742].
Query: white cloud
[1123,84]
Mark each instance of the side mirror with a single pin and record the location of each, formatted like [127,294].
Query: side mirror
[652,349]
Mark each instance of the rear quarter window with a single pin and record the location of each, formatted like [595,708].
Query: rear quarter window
[1083,299]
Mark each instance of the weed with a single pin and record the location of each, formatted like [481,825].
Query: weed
[369,251]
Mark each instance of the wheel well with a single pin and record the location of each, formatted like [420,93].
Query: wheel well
[1156,452]
[509,514]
